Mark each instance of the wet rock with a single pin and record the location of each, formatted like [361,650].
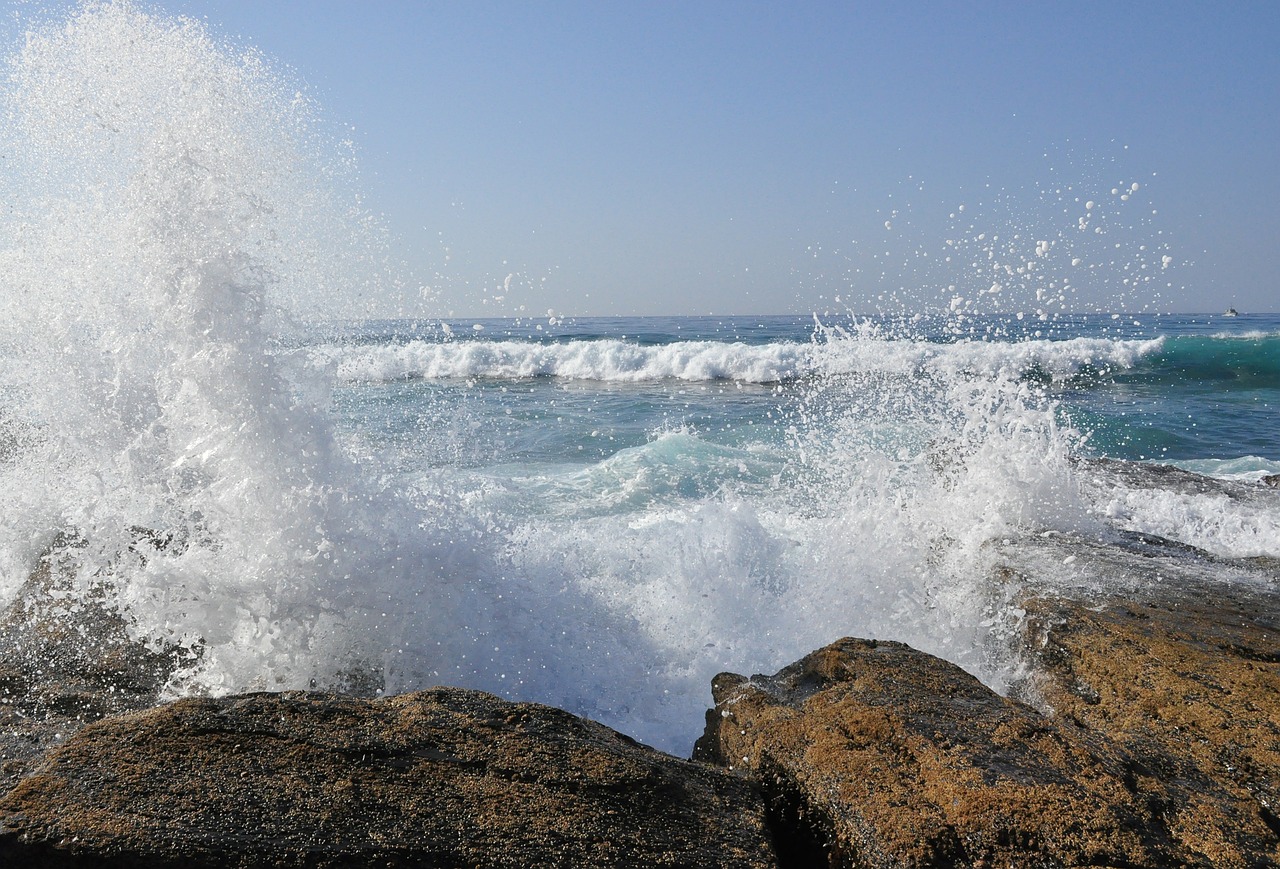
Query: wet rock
[873,754]
[1172,654]
[445,777]
[66,659]
[1152,695]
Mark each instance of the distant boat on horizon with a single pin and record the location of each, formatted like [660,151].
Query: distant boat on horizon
[1230,312]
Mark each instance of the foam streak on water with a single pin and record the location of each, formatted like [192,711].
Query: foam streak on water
[627,362]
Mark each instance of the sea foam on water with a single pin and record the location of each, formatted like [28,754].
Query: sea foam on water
[170,199]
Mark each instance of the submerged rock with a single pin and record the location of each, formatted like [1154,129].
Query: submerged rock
[874,754]
[446,777]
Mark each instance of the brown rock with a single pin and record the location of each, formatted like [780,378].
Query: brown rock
[1155,670]
[1187,684]
[1171,654]
[878,755]
[445,777]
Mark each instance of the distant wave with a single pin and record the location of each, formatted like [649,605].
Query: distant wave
[701,361]
[608,360]
[1251,359]
[1054,360]
[1251,335]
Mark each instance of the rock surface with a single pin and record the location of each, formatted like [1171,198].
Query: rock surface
[66,659]
[1176,660]
[1145,733]
[1187,684]
[445,777]
[882,756]
[1150,735]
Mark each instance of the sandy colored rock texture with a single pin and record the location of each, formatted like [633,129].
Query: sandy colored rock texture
[1187,684]
[879,755]
[445,777]
[1150,735]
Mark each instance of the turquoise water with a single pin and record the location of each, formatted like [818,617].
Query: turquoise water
[599,514]
[1198,388]
[698,494]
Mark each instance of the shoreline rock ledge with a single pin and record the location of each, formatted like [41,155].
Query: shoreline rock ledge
[94,772]
[1149,737]
[1154,742]
[445,777]
[888,757]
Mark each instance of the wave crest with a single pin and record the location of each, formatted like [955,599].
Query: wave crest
[700,361]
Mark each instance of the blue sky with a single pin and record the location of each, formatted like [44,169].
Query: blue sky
[717,157]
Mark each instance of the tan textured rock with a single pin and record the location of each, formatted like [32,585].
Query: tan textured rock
[893,758]
[1155,672]
[445,777]
[1187,684]
[1172,654]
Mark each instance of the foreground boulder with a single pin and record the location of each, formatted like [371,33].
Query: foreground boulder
[1146,733]
[877,755]
[1149,735]
[445,777]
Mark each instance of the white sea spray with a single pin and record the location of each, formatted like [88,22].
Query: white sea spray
[173,203]
[617,361]
[165,193]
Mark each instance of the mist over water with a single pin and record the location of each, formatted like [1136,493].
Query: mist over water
[599,516]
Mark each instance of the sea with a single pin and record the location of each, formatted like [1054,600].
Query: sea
[599,513]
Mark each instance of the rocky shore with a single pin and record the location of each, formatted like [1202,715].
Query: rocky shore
[1146,732]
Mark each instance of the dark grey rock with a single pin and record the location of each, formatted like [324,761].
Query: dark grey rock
[66,659]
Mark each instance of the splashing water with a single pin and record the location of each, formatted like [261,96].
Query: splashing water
[299,513]
[165,192]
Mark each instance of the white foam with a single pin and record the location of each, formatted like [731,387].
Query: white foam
[619,361]
[163,193]
[604,360]
[167,196]
[1242,468]
[1059,360]
[1214,522]
[1251,335]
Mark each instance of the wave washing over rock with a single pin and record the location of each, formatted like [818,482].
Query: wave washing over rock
[166,195]
[205,492]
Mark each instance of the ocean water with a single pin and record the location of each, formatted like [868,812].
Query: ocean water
[597,513]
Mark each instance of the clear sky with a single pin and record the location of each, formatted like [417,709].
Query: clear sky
[749,157]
